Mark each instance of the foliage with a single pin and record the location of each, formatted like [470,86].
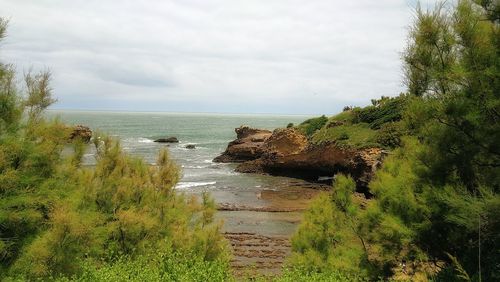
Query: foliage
[311,125]
[39,94]
[382,111]
[345,117]
[453,72]
[328,237]
[163,266]
[358,135]
[122,206]
[331,275]
[456,111]
[58,218]
[390,135]
[436,205]
[372,126]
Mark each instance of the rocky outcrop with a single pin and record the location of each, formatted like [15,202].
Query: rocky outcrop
[167,140]
[246,147]
[81,132]
[287,152]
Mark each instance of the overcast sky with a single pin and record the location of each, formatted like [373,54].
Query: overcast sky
[253,56]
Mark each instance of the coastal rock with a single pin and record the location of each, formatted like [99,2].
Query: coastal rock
[81,132]
[246,147]
[254,166]
[285,141]
[167,140]
[190,146]
[288,152]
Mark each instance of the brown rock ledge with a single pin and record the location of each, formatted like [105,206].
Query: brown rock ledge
[246,147]
[288,152]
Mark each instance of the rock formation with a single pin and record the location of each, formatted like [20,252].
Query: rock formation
[288,152]
[246,147]
[82,132]
[167,140]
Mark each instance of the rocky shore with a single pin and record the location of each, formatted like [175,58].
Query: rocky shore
[287,152]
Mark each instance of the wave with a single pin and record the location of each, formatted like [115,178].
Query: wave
[195,166]
[185,185]
[145,140]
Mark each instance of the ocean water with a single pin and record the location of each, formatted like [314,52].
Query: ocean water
[210,133]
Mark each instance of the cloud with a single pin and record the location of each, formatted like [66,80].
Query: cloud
[283,56]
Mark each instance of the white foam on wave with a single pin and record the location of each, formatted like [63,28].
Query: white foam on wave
[185,185]
[145,140]
[208,172]
[195,166]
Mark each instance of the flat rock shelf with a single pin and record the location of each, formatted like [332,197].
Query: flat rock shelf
[259,224]
[257,254]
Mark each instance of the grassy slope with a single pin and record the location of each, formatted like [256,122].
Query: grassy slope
[358,135]
[359,127]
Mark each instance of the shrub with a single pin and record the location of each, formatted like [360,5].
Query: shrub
[343,136]
[390,135]
[166,265]
[310,126]
[385,110]
[290,125]
[328,237]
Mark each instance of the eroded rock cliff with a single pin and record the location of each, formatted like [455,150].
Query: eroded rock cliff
[288,152]
[247,146]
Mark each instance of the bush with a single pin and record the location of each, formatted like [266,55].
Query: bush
[343,136]
[328,238]
[385,110]
[162,266]
[310,126]
[332,275]
[290,125]
[390,135]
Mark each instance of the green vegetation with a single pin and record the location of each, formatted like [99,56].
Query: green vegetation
[118,219]
[163,266]
[331,275]
[352,135]
[382,111]
[434,214]
[435,211]
[378,125]
[311,125]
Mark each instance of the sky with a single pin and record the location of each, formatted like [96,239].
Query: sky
[228,56]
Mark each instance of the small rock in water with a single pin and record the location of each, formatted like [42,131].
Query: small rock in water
[167,140]
[81,132]
[190,146]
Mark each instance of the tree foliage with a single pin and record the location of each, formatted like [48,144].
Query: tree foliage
[435,206]
[61,219]
[311,125]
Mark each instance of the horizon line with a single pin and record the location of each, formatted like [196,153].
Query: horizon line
[180,112]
